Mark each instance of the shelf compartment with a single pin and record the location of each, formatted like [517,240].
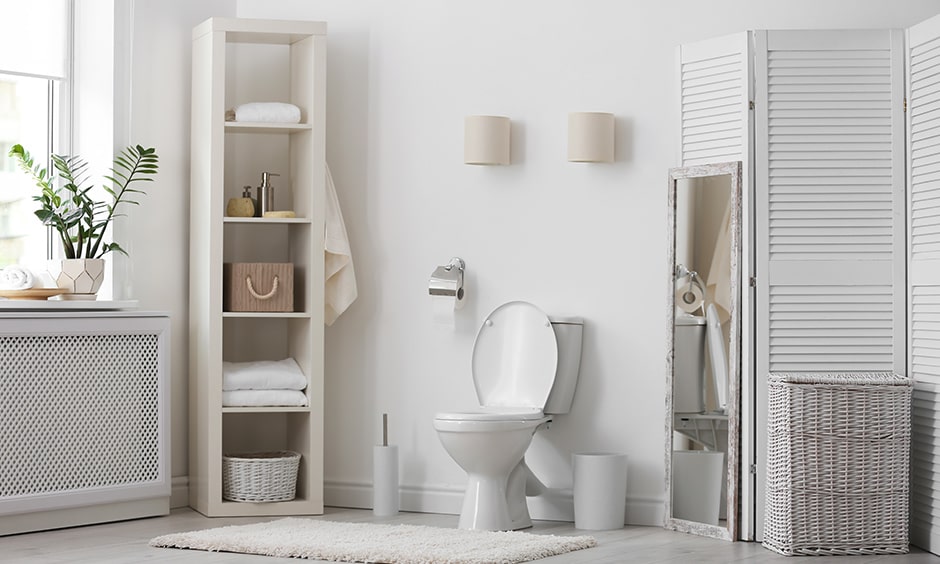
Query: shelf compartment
[260,32]
[276,508]
[266,220]
[268,314]
[269,409]
[260,127]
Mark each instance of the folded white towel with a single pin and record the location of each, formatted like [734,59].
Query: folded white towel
[16,277]
[340,284]
[267,112]
[263,375]
[264,398]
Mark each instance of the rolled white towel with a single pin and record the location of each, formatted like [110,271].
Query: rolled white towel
[263,375]
[264,398]
[15,277]
[267,112]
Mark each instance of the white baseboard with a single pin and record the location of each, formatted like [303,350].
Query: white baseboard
[553,505]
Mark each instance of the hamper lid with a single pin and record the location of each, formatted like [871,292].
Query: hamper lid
[844,378]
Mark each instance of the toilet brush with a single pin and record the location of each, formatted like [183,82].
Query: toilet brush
[384,475]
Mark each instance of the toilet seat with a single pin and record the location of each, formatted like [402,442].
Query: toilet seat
[493,414]
[515,356]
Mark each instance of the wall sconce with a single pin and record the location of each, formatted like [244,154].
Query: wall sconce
[486,140]
[590,137]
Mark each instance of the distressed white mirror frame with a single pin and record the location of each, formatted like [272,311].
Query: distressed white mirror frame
[730,531]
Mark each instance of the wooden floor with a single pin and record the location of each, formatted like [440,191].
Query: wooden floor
[127,542]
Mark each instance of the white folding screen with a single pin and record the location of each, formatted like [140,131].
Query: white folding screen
[829,174]
[828,231]
[924,278]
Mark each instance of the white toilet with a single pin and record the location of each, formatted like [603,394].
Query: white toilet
[525,369]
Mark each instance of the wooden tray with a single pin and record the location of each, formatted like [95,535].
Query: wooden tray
[32,293]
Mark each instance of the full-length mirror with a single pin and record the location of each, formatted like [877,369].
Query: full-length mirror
[703,376]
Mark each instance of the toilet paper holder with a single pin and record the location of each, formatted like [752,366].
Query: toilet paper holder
[694,281]
[447,281]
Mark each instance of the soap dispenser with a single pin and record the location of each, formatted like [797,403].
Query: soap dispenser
[241,207]
[265,194]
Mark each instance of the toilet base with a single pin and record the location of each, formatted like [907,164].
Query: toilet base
[492,452]
[484,505]
[496,505]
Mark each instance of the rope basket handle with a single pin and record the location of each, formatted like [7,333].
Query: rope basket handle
[256,295]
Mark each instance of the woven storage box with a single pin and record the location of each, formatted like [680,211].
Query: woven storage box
[258,477]
[838,463]
[258,286]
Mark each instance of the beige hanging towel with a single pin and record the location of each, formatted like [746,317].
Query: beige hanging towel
[340,278]
[719,274]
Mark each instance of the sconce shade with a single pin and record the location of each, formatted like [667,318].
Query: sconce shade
[486,140]
[591,137]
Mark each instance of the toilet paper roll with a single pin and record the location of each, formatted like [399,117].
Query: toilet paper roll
[385,497]
[689,297]
[443,309]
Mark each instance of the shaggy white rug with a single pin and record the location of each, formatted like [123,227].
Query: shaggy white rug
[367,542]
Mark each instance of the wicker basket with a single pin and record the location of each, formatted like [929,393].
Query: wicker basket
[838,463]
[260,476]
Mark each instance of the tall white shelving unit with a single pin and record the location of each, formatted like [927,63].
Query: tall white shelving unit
[238,61]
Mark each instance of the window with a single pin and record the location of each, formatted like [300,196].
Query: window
[34,53]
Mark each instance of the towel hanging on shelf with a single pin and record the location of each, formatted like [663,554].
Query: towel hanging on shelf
[340,277]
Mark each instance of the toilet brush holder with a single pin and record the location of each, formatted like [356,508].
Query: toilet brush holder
[385,497]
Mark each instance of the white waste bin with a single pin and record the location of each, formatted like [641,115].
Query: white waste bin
[696,485]
[600,490]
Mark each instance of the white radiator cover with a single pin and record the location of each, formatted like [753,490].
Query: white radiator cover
[83,417]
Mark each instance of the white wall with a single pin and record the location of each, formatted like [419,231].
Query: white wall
[577,239]
[157,271]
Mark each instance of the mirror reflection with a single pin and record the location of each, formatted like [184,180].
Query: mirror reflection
[701,456]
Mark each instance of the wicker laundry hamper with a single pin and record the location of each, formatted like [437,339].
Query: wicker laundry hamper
[260,476]
[838,463]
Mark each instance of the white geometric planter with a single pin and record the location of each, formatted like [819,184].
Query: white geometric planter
[81,277]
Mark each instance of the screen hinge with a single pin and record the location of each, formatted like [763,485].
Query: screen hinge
[752,282]
[753,469]
[750,104]
[905,104]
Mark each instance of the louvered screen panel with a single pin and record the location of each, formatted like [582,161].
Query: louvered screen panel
[924,248]
[830,200]
[830,157]
[925,151]
[925,467]
[714,91]
[831,328]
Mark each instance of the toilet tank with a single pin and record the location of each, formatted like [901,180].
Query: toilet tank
[688,365]
[568,331]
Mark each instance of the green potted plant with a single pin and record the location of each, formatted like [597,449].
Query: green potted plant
[67,205]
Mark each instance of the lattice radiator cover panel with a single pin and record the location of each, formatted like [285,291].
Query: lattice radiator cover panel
[82,413]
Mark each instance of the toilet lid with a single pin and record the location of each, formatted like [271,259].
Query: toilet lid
[514,357]
[716,351]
